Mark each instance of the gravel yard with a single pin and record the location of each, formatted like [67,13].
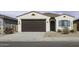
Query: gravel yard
[40,36]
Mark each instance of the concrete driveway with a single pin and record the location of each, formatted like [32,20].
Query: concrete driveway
[24,36]
[40,36]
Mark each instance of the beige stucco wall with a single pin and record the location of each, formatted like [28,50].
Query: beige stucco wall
[37,16]
[71,19]
[75,27]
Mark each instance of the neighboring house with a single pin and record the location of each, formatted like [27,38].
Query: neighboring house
[44,22]
[76,25]
[7,22]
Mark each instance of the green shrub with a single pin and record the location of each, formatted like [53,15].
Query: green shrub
[72,31]
[59,30]
[65,31]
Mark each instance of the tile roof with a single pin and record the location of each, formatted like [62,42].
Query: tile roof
[7,17]
[51,14]
[47,14]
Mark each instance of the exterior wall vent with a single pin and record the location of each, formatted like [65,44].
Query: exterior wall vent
[33,14]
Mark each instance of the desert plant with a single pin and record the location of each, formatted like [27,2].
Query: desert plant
[9,31]
[59,30]
[72,31]
[65,30]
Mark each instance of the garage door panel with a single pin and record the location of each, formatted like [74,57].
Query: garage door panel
[34,25]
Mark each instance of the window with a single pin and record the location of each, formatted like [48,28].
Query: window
[64,23]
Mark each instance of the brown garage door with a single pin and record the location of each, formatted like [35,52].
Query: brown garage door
[31,25]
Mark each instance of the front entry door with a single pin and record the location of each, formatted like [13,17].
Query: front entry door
[52,25]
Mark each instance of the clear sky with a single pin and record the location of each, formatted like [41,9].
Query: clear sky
[16,13]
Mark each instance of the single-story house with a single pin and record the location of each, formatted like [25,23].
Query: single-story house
[7,22]
[45,22]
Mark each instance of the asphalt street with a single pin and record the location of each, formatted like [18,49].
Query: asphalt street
[40,44]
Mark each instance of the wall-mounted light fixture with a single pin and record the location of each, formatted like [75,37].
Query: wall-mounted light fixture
[19,22]
[47,21]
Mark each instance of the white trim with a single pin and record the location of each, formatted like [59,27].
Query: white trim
[47,25]
[19,25]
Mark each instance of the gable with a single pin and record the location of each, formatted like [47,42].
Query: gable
[32,15]
[65,17]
